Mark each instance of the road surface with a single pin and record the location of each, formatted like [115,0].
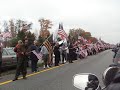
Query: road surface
[60,78]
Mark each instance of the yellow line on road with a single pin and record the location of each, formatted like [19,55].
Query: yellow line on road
[5,82]
[9,81]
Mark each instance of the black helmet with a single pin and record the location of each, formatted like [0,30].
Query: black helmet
[113,86]
[109,75]
[117,78]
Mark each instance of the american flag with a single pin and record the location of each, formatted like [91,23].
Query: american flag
[1,35]
[38,55]
[80,38]
[26,27]
[1,44]
[48,45]
[61,32]
[6,35]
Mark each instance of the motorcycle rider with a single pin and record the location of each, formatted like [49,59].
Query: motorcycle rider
[115,85]
[116,54]
[112,78]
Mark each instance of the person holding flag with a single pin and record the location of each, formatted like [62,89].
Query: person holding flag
[63,53]
[0,59]
[71,53]
[33,56]
[57,53]
[22,62]
[45,57]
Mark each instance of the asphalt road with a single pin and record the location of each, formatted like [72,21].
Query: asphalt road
[61,78]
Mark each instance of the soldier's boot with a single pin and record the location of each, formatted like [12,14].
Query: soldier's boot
[24,77]
[16,78]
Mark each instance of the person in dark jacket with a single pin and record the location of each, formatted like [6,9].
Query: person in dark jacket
[71,53]
[27,52]
[22,62]
[115,50]
[116,59]
[33,57]
[0,60]
[57,54]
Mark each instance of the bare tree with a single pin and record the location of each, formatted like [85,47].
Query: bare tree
[6,27]
[12,28]
[45,25]
[18,25]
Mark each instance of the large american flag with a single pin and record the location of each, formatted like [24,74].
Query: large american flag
[61,32]
[48,45]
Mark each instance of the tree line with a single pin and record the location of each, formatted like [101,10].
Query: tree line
[20,29]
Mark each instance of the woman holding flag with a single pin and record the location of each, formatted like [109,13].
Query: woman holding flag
[33,57]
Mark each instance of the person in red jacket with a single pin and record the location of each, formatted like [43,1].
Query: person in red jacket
[21,61]
[0,60]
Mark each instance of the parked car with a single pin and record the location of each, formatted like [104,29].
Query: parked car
[8,58]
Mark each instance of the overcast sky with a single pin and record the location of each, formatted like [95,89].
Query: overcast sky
[100,17]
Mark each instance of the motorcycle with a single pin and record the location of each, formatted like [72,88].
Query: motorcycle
[89,81]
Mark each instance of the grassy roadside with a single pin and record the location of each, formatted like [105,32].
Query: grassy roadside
[13,70]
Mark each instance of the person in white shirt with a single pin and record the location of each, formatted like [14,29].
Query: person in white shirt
[45,57]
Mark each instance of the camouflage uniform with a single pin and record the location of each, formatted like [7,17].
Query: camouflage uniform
[0,60]
[22,62]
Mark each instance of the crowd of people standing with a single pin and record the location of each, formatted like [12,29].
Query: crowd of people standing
[61,52]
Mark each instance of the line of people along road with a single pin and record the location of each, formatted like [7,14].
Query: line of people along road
[62,52]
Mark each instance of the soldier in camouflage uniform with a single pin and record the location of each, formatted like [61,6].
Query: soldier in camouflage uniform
[0,60]
[22,62]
